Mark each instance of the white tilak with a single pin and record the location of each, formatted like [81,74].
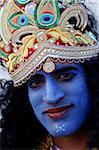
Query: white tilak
[60,128]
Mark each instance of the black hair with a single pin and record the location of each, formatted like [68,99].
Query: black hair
[20,128]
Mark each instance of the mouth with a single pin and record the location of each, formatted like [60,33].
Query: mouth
[60,112]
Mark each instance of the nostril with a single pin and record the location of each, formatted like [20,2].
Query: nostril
[61,98]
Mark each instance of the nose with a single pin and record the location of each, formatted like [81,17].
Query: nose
[53,92]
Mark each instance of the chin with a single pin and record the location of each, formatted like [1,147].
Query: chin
[64,133]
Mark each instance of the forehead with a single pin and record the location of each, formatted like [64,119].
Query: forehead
[75,65]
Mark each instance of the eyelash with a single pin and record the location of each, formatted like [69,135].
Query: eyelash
[60,78]
[36,85]
[65,77]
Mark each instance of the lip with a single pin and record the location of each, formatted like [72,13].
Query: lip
[56,113]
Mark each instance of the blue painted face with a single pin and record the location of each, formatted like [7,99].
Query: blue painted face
[60,100]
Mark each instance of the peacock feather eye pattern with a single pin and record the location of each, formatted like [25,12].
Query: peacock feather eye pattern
[47,14]
[47,18]
[18,20]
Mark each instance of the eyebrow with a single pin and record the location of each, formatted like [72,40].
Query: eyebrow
[64,69]
[55,72]
[35,77]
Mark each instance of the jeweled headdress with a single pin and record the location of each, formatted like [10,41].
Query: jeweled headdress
[36,34]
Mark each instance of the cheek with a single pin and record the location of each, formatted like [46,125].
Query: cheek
[84,95]
[76,85]
[35,97]
[78,91]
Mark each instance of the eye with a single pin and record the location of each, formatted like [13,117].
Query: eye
[65,76]
[37,81]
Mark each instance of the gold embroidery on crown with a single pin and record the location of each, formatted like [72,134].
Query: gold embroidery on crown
[30,36]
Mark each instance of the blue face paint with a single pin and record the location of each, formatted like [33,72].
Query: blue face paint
[60,100]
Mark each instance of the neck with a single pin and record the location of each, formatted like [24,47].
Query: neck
[73,142]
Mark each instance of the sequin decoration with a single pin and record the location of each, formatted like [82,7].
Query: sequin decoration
[47,13]
[30,8]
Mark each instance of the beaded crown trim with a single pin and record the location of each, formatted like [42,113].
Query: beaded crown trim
[32,31]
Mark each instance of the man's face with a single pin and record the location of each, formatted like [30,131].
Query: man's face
[61,99]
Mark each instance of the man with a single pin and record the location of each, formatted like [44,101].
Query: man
[48,48]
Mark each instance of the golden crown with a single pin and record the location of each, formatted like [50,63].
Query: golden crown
[38,33]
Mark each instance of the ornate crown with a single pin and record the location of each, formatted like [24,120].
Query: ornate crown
[38,33]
